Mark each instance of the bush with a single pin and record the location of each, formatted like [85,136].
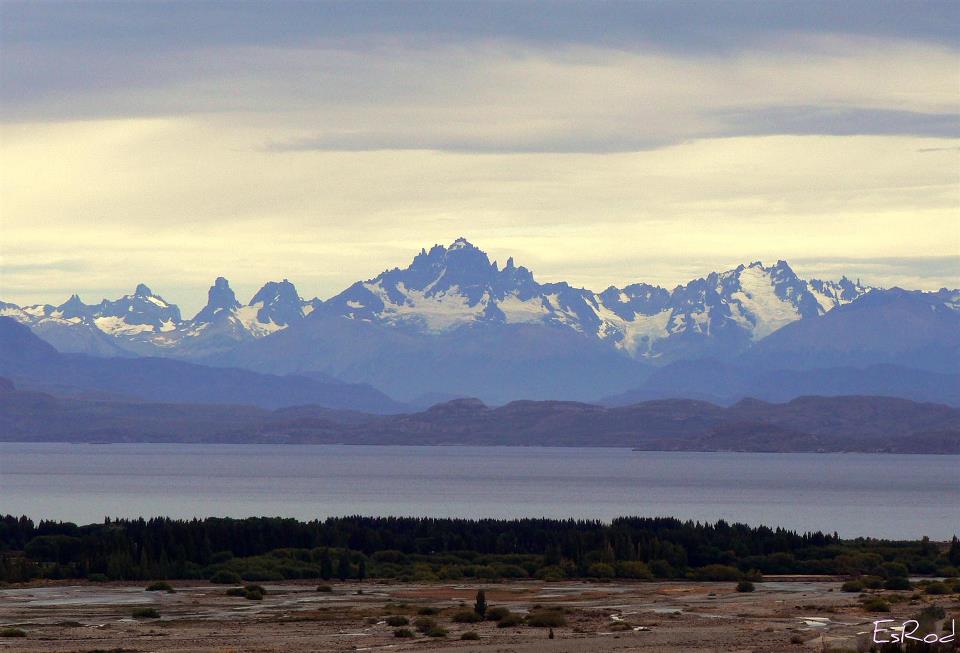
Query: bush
[872,582]
[253,595]
[718,573]
[471,635]
[437,631]
[159,586]
[496,614]
[546,619]
[428,611]
[97,578]
[852,586]
[932,613]
[403,632]
[876,604]
[236,591]
[397,620]
[936,588]
[619,626]
[510,621]
[897,583]
[466,617]
[224,577]
[600,570]
[633,569]
[145,613]
[324,588]
[255,588]
[745,586]
[12,632]
[424,624]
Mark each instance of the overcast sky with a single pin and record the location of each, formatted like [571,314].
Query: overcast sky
[598,143]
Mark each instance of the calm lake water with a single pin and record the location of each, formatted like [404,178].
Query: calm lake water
[853,494]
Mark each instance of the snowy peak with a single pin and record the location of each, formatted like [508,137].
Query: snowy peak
[221,300]
[278,303]
[139,313]
[445,288]
[831,294]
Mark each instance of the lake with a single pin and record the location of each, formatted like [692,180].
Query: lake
[854,494]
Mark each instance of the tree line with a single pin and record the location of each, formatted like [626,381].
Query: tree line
[272,548]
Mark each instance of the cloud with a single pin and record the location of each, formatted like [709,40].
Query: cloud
[601,144]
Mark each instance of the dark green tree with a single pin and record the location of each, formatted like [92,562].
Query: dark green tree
[326,565]
[343,568]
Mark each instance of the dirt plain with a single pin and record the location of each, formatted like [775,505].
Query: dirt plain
[793,614]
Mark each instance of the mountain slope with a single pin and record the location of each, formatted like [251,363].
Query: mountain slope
[32,363]
[727,383]
[899,327]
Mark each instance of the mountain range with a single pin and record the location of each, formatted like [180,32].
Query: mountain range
[453,323]
[867,424]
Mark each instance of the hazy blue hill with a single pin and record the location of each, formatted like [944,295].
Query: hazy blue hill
[30,361]
[900,327]
[726,383]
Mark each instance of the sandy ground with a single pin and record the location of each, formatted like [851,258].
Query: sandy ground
[782,615]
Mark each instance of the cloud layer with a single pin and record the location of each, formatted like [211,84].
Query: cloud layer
[597,143]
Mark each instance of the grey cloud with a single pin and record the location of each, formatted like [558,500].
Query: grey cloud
[802,120]
[838,121]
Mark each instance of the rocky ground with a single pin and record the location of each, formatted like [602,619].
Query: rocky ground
[781,615]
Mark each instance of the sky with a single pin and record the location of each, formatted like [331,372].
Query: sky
[599,143]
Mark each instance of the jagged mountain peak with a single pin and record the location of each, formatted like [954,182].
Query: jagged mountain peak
[142,290]
[278,302]
[220,300]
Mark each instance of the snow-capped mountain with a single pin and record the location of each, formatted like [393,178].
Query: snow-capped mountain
[451,287]
[146,324]
[455,322]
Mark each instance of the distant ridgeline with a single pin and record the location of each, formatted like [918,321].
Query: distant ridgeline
[265,549]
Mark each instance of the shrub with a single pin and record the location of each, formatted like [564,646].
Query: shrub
[159,586]
[253,595]
[718,573]
[437,631]
[600,570]
[12,632]
[428,611]
[97,578]
[471,635]
[876,604]
[872,582]
[145,613]
[236,591]
[745,586]
[496,614]
[424,624]
[225,577]
[932,613]
[937,588]
[546,619]
[255,588]
[897,583]
[633,569]
[397,620]
[510,621]
[480,605]
[619,626]
[852,586]
[466,617]
[324,588]
[403,632]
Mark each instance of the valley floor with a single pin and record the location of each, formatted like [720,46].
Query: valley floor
[781,615]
